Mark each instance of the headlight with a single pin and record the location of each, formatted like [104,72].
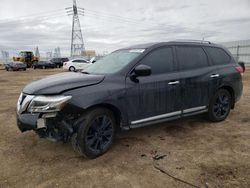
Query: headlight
[48,103]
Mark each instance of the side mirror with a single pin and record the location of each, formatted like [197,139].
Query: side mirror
[142,70]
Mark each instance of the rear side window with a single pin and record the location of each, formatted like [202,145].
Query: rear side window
[191,57]
[218,55]
[160,60]
[79,61]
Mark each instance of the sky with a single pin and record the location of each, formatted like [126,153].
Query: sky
[110,25]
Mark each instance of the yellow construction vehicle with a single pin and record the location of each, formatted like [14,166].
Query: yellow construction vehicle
[26,57]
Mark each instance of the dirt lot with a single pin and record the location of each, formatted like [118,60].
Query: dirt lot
[194,150]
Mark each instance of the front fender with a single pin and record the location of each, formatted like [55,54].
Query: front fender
[112,94]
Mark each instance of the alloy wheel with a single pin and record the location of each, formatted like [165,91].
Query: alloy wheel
[99,135]
[221,105]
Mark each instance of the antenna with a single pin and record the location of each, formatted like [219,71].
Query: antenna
[77,45]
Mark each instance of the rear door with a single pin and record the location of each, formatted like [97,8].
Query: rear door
[157,96]
[224,71]
[195,71]
[80,64]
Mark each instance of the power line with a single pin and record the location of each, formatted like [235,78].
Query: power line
[41,18]
[31,16]
[113,16]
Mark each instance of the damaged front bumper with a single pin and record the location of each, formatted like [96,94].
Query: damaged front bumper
[28,121]
[51,125]
[48,126]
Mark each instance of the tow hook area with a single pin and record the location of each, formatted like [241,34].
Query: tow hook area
[55,131]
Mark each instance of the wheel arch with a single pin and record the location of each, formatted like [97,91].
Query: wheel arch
[115,110]
[232,93]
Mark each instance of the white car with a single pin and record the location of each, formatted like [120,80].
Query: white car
[76,64]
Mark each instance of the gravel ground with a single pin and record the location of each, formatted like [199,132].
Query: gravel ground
[173,154]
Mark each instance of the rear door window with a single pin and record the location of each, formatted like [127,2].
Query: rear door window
[160,60]
[218,55]
[79,61]
[191,57]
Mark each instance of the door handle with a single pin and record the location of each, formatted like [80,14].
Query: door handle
[214,75]
[173,83]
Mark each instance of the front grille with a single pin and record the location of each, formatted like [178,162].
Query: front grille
[23,96]
[23,102]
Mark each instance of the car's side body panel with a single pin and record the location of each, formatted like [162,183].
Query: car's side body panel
[151,99]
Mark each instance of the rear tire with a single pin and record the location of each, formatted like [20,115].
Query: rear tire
[96,133]
[220,106]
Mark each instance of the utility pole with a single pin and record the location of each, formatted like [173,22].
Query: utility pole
[77,45]
[238,53]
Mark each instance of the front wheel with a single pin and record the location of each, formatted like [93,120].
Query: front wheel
[95,135]
[72,69]
[220,106]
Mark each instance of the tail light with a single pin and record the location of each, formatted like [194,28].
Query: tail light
[240,69]
[65,64]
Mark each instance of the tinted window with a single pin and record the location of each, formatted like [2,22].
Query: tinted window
[114,62]
[218,55]
[160,60]
[79,61]
[65,59]
[191,57]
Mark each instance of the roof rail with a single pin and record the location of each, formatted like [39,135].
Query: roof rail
[187,40]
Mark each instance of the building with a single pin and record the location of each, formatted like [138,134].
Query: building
[239,49]
[90,53]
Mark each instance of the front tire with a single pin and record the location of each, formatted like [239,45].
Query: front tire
[220,106]
[72,69]
[96,134]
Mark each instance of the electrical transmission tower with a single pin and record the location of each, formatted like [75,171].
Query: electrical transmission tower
[37,53]
[77,45]
[5,56]
[57,52]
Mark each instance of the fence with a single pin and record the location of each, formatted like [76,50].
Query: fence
[240,52]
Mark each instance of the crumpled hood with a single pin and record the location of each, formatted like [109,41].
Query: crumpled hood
[61,82]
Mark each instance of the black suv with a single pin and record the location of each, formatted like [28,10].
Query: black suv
[59,61]
[130,88]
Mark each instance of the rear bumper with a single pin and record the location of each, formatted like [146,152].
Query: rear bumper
[238,91]
[65,67]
